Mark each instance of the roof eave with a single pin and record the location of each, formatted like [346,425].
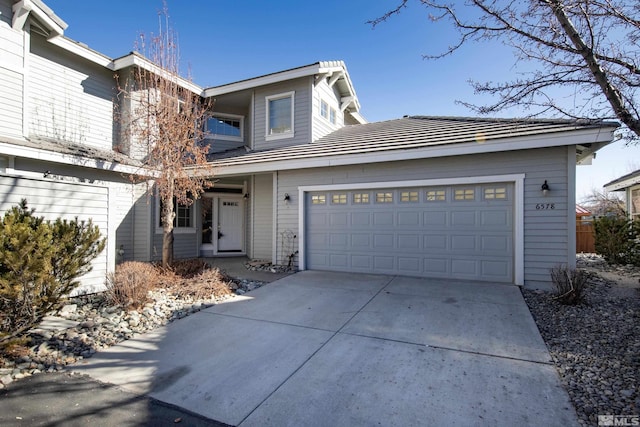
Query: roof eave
[577,137]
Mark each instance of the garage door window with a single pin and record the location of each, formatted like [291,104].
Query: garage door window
[464,194]
[495,193]
[318,199]
[384,197]
[339,199]
[436,195]
[360,198]
[409,196]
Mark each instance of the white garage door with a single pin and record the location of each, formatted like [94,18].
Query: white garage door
[459,232]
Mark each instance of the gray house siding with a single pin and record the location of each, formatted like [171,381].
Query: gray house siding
[302,113]
[546,241]
[321,125]
[11,73]
[69,99]
[53,199]
[262,213]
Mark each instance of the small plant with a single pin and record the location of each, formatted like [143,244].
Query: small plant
[569,284]
[130,284]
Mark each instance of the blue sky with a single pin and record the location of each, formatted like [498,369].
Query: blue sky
[222,42]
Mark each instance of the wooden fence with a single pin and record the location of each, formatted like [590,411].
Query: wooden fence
[585,237]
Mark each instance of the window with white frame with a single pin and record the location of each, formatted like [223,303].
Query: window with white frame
[324,109]
[332,115]
[225,126]
[183,215]
[360,198]
[280,111]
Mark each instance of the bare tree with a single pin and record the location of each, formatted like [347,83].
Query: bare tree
[604,203]
[162,120]
[592,46]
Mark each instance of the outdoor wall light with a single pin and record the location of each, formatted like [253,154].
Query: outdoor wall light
[287,197]
[246,196]
[545,188]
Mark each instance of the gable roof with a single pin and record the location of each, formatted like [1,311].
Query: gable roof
[420,137]
[334,70]
[623,182]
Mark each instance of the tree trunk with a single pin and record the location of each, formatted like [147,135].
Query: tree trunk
[167,215]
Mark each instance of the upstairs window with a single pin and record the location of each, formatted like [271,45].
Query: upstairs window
[332,116]
[279,116]
[324,109]
[225,126]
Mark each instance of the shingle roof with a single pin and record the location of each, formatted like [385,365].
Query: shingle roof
[408,133]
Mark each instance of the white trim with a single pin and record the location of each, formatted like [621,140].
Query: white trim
[571,210]
[136,60]
[225,137]
[289,134]
[69,159]
[385,155]
[274,221]
[81,51]
[518,208]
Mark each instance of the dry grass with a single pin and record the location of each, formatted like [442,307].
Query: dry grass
[208,284]
[130,285]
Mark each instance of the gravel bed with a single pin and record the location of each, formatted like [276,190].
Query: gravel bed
[98,325]
[595,345]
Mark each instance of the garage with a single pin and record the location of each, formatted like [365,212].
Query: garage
[455,231]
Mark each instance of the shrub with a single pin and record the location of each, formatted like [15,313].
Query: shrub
[617,239]
[130,284]
[40,262]
[569,284]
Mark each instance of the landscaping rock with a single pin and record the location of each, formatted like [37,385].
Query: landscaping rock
[89,323]
[595,345]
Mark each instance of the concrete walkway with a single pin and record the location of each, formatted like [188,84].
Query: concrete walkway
[335,349]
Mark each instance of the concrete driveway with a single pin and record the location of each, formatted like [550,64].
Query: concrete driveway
[337,349]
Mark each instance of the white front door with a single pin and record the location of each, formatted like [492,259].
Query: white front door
[230,224]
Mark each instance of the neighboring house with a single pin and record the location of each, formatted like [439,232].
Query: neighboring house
[630,184]
[300,177]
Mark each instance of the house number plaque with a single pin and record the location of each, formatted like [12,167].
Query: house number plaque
[545,206]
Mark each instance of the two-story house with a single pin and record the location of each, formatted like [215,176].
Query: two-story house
[299,177]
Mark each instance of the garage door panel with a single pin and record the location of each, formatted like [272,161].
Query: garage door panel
[409,265]
[339,260]
[408,241]
[463,218]
[360,219]
[409,219]
[339,241]
[499,218]
[464,267]
[360,241]
[383,241]
[405,232]
[436,218]
[439,242]
[498,244]
[362,262]
[384,263]
[436,266]
[339,219]
[383,219]
[495,268]
[463,243]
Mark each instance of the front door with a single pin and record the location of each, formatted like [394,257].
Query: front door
[230,224]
